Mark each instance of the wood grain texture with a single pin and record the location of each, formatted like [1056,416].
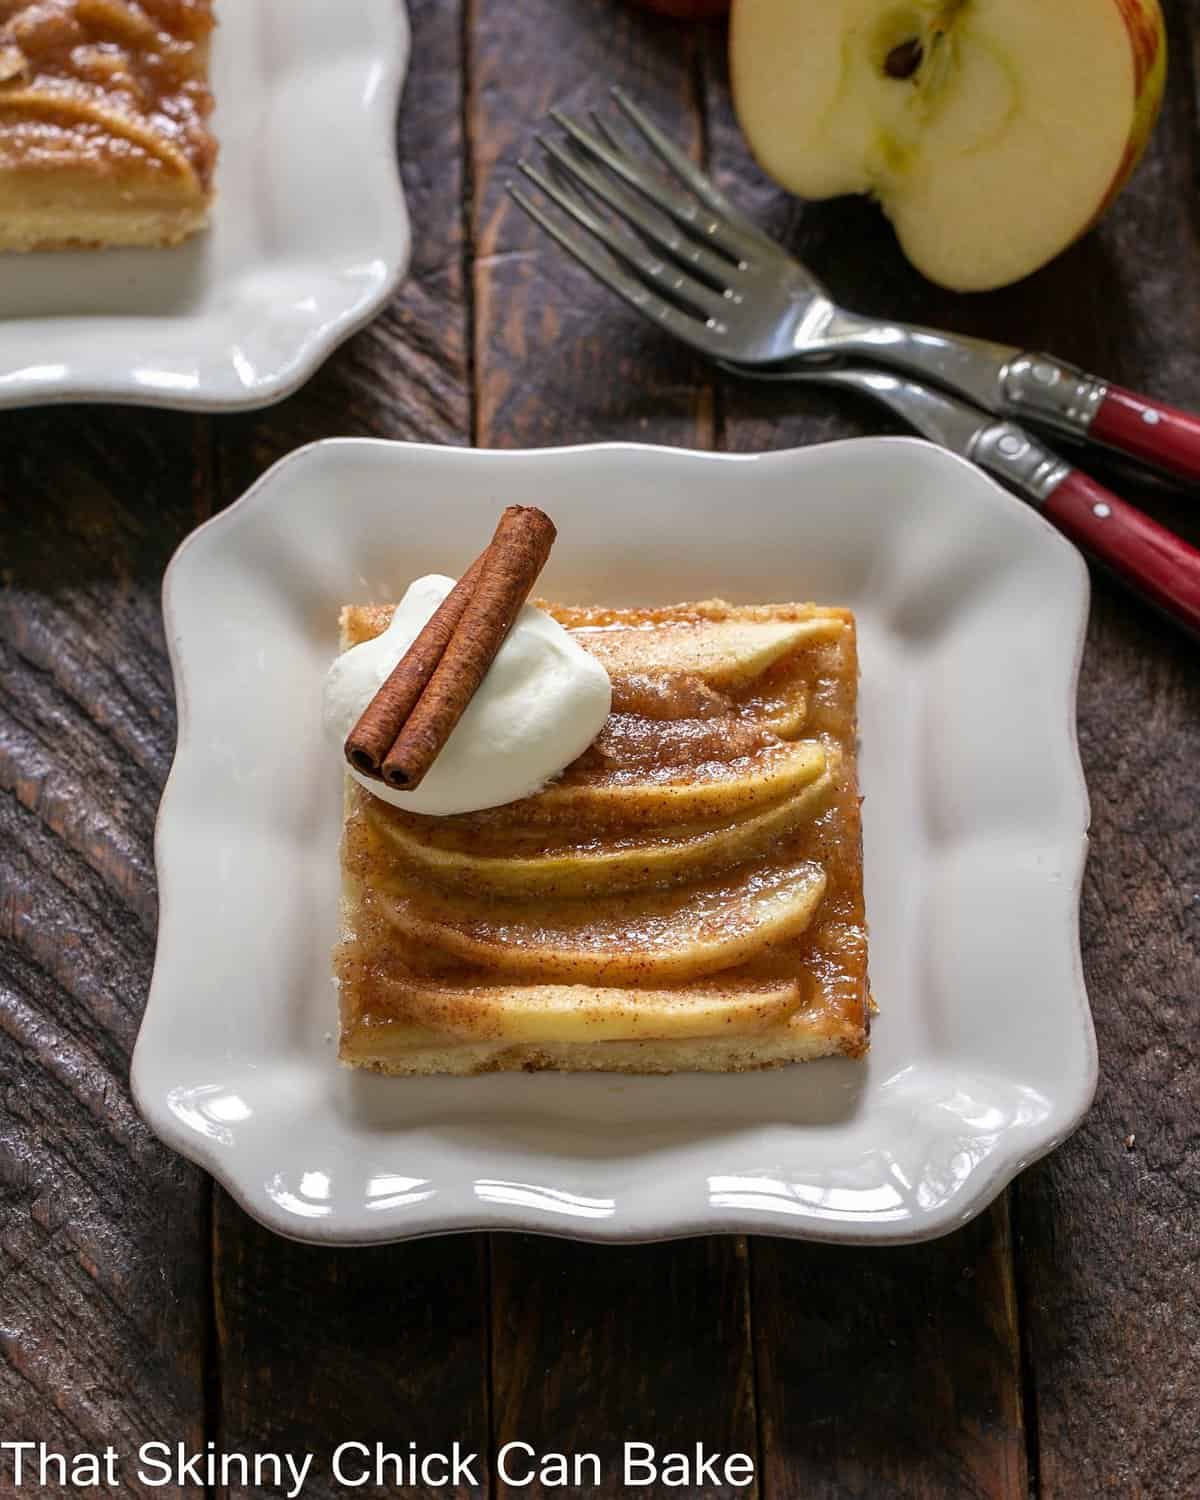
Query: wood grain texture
[103,1258]
[1109,1226]
[1109,1232]
[322,1347]
[598,1345]
[891,1372]
[558,358]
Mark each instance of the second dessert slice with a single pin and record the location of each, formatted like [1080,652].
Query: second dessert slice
[104,134]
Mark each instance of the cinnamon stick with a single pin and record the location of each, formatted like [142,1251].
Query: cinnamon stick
[508,570]
[375,733]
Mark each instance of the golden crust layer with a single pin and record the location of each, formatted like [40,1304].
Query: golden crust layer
[104,136]
[688,895]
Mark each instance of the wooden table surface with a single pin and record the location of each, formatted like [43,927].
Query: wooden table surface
[1049,1348]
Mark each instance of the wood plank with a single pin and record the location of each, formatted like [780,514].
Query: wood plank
[592,1346]
[558,358]
[596,1346]
[894,1372]
[1109,1233]
[103,1242]
[890,1372]
[320,1347]
[1108,1226]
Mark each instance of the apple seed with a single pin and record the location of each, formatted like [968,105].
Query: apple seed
[904,60]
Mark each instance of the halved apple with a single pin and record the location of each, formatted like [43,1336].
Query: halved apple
[993,132]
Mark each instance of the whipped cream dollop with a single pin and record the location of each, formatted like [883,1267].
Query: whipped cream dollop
[543,701]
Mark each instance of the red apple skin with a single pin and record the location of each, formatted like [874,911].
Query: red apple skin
[1148,42]
[1147,37]
[687,10]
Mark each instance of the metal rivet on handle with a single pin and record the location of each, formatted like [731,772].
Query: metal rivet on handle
[1150,418]
[1011,446]
[1044,374]
[1102,510]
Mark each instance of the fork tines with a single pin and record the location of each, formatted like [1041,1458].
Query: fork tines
[671,247]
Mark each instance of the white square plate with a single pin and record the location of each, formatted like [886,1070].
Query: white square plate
[971,614]
[300,253]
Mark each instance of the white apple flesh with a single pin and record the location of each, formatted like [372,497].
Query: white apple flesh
[993,132]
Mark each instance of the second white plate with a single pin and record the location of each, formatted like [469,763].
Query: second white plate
[301,252]
[971,613]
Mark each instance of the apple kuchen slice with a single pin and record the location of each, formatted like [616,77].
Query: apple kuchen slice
[687,895]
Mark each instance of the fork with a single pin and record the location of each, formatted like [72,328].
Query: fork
[687,258]
[1160,566]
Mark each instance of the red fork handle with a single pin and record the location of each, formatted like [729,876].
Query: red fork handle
[1150,430]
[1161,566]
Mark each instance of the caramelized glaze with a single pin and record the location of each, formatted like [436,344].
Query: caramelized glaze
[105,84]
